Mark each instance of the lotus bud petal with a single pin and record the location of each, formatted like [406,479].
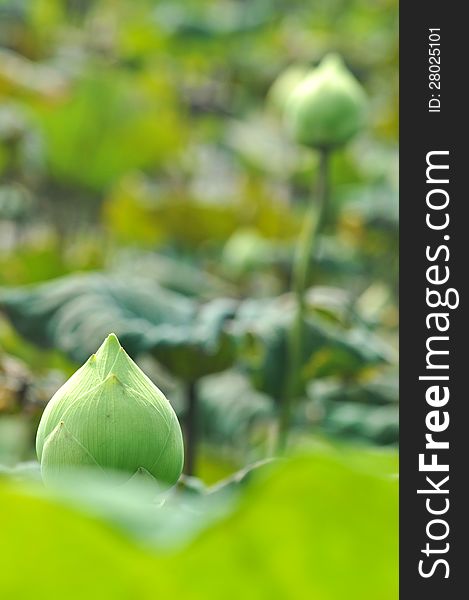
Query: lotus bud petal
[110,416]
[328,107]
[284,85]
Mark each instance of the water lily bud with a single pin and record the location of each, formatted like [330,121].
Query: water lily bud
[328,107]
[110,416]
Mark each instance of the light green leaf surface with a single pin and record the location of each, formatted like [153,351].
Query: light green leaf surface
[322,527]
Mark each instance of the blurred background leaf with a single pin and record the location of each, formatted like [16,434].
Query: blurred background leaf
[148,186]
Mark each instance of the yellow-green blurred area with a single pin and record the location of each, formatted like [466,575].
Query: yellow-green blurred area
[315,527]
[149,186]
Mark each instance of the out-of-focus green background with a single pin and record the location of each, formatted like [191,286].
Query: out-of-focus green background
[148,186]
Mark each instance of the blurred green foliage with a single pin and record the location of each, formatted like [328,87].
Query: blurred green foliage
[148,186]
[140,139]
[322,526]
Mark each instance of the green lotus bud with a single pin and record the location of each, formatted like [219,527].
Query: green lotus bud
[328,107]
[110,416]
[284,85]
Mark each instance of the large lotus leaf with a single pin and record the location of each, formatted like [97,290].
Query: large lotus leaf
[140,508]
[172,273]
[317,526]
[327,349]
[75,314]
[358,410]
[75,554]
[378,424]
[231,407]
[201,348]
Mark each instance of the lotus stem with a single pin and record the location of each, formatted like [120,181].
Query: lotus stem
[191,427]
[304,254]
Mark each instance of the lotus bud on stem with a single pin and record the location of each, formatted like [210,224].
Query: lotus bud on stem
[323,111]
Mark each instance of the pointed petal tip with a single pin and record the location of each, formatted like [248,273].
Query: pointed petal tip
[112,340]
[109,348]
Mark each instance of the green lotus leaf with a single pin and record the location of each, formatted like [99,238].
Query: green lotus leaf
[75,313]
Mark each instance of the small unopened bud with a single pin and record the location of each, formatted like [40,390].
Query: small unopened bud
[327,107]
